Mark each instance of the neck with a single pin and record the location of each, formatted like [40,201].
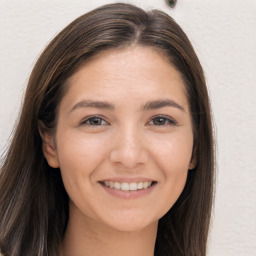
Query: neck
[89,237]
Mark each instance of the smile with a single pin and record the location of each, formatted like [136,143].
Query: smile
[134,186]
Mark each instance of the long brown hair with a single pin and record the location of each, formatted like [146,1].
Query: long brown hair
[33,201]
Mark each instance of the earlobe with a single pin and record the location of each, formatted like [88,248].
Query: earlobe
[49,147]
[193,161]
[50,153]
[192,164]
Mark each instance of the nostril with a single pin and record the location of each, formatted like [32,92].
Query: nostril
[129,150]
[129,157]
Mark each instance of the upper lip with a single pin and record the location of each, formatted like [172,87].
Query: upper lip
[127,179]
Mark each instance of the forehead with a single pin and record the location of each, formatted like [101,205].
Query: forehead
[132,72]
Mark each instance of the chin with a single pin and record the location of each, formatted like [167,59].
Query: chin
[131,223]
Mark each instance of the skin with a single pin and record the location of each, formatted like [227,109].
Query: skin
[132,139]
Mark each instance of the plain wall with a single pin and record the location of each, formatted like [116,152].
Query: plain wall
[224,36]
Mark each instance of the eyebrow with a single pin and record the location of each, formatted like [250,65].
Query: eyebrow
[162,103]
[156,104]
[93,104]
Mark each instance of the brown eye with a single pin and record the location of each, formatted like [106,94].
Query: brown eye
[162,121]
[94,121]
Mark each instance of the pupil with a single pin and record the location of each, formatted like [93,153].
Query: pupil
[159,121]
[95,121]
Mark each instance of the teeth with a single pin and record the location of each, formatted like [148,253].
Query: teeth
[111,184]
[133,186]
[140,185]
[125,186]
[128,186]
[145,184]
[117,185]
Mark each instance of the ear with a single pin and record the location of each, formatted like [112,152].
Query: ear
[193,161]
[48,146]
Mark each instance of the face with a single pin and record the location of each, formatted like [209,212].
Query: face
[123,139]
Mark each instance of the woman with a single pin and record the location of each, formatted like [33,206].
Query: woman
[113,152]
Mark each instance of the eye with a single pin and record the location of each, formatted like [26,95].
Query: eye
[94,121]
[162,121]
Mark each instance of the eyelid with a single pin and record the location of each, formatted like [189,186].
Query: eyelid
[86,119]
[171,120]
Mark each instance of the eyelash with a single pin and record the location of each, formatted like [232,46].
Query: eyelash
[165,119]
[88,121]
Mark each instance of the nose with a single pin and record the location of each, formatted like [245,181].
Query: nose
[129,149]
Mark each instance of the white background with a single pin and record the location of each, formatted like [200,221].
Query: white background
[223,33]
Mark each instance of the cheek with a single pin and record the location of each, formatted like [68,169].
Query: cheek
[80,154]
[173,156]
[173,152]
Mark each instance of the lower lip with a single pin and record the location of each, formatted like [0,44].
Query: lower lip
[128,194]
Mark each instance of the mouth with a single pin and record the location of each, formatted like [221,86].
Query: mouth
[125,186]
